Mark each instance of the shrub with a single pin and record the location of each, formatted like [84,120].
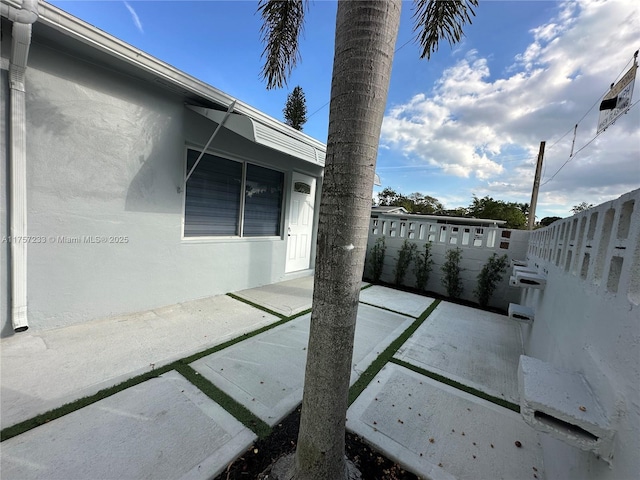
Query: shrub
[405,255]
[422,266]
[376,259]
[489,277]
[451,269]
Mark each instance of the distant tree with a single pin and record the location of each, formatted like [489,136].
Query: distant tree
[388,197]
[546,221]
[581,207]
[425,204]
[295,110]
[515,214]
[414,203]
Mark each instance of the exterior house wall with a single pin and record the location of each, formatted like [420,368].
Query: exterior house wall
[587,320]
[105,156]
[478,243]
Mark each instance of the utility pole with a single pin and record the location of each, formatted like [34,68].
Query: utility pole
[536,187]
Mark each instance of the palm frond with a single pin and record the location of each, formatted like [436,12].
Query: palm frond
[280,31]
[435,20]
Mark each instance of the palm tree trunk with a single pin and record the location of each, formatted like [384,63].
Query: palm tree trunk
[365,40]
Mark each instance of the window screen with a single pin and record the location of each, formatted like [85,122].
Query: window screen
[263,201]
[213,198]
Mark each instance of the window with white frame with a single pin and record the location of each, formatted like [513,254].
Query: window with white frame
[229,198]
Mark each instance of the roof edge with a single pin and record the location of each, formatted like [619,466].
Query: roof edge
[74,27]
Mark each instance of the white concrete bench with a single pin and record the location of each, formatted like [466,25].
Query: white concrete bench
[521,313]
[563,405]
[518,263]
[524,268]
[527,280]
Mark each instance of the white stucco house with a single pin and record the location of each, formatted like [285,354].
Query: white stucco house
[128,184]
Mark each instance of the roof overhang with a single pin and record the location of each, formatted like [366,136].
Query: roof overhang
[138,64]
[262,134]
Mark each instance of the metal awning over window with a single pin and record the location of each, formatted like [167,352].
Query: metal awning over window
[263,135]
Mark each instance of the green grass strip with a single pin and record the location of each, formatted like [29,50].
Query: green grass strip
[266,310]
[460,386]
[299,314]
[239,411]
[70,407]
[387,309]
[358,387]
[233,341]
[255,305]
[367,286]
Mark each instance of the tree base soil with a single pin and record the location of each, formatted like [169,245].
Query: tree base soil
[257,462]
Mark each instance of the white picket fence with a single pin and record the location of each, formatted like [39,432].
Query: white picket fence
[477,242]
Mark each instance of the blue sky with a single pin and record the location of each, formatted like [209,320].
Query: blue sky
[469,121]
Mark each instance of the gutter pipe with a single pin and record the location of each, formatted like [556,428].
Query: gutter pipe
[26,15]
[22,20]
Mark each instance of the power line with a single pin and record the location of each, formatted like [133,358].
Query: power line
[575,128]
[592,107]
[582,148]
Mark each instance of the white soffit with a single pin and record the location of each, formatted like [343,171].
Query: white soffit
[263,135]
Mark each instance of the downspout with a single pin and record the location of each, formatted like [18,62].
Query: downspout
[21,40]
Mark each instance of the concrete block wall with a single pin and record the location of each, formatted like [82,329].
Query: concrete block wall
[587,320]
[477,243]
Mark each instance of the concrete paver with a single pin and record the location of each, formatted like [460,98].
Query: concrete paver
[440,432]
[167,428]
[397,300]
[266,372]
[164,428]
[286,298]
[45,370]
[474,347]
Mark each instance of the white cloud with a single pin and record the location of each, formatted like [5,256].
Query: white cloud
[468,121]
[134,16]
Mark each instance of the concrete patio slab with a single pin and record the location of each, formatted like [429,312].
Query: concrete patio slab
[286,298]
[44,370]
[440,432]
[162,428]
[397,300]
[474,347]
[266,373]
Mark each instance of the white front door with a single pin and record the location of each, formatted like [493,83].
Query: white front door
[303,194]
